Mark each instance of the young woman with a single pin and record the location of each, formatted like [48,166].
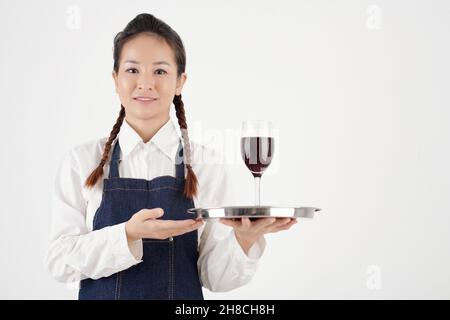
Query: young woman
[120,220]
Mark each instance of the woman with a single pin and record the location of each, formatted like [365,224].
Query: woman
[129,236]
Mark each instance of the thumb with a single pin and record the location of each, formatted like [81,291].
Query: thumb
[151,213]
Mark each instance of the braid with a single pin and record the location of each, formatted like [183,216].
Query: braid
[98,172]
[190,187]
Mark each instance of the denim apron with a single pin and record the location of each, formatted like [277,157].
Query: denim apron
[169,266]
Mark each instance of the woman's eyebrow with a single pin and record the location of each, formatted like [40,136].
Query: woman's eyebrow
[154,63]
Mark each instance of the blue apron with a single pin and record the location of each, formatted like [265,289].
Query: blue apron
[169,266]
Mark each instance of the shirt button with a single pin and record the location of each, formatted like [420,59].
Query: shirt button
[170,238]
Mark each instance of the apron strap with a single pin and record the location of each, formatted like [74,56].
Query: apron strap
[179,163]
[114,164]
[115,160]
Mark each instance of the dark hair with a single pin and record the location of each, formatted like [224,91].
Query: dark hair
[147,23]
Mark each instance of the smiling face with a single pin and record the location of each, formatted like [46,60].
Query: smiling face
[147,69]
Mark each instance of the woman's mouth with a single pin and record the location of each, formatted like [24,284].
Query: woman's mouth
[145,100]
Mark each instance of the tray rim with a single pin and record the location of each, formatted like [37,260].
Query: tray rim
[204,213]
[274,207]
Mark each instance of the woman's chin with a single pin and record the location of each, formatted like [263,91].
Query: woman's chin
[145,115]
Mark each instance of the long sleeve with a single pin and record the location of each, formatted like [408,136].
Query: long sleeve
[222,263]
[75,253]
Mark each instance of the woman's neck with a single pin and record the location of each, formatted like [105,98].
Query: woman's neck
[146,129]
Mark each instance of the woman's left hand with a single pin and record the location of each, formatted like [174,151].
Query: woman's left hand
[247,232]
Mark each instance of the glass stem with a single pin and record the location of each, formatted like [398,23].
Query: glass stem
[257,191]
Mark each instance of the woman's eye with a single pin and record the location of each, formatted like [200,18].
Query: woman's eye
[131,69]
[134,70]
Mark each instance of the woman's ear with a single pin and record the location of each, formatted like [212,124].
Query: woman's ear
[115,79]
[180,83]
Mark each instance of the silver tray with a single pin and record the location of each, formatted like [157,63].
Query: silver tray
[254,212]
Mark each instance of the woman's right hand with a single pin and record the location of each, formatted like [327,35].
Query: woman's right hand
[144,224]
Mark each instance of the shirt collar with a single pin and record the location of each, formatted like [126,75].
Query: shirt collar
[166,139]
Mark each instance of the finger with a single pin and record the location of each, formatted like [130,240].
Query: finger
[154,213]
[280,222]
[286,227]
[195,226]
[263,223]
[246,223]
[174,224]
[229,222]
[166,233]
[283,227]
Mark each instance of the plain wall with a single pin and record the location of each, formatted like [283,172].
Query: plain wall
[359,91]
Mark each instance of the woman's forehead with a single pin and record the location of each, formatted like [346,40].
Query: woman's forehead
[145,49]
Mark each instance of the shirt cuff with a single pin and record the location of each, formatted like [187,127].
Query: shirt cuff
[254,253]
[126,254]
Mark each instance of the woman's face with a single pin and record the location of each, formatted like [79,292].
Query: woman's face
[147,68]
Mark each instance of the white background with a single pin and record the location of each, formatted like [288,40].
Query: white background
[358,89]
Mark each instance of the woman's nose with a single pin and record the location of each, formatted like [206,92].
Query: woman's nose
[146,82]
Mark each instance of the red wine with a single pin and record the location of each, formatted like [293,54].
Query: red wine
[257,153]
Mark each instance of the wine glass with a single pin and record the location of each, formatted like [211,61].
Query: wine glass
[257,148]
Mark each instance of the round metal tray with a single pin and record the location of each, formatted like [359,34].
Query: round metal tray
[254,212]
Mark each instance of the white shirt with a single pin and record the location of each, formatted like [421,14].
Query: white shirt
[77,252]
